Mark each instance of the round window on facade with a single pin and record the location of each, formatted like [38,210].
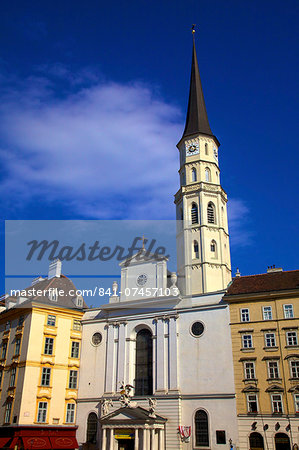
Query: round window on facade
[197,329]
[96,339]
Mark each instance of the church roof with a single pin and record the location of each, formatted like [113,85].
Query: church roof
[197,118]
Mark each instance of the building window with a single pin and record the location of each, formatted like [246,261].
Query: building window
[12,380]
[49,344]
[220,437]
[70,413]
[75,350]
[195,250]
[206,149]
[201,429]
[144,363]
[42,412]
[21,321]
[7,414]
[73,379]
[249,370]
[1,377]
[247,341]
[288,311]
[77,325]
[276,403]
[46,376]
[17,346]
[252,405]
[291,337]
[215,153]
[244,312]
[51,321]
[194,213]
[270,340]
[213,247]
[193,175]
[295,369]
[267,312]
[296,400]
[4,350]
[273,369]
[207,175]
[211,213]
[92,428]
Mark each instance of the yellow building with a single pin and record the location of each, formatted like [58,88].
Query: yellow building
[40,337]
[264,314]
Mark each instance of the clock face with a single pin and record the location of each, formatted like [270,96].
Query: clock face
[192,149]
[142,279]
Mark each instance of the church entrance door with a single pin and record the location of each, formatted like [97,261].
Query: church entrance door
[125,444]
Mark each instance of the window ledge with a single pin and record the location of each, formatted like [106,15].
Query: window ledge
[271,349]
[250,380]
[247,350]
[292,346]
[274,380]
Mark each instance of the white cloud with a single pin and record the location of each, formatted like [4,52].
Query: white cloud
[107,150]
[238,214]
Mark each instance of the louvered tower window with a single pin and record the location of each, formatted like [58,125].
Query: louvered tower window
[194,213]
[193,175]
[211,213]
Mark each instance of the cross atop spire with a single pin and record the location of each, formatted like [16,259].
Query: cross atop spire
[197,118]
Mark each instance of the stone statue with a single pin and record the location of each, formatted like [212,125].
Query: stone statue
[105,405]
[152,406]
[125,398]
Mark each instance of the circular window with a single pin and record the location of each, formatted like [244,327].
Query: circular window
[142,279]
[96,339]
[197,328]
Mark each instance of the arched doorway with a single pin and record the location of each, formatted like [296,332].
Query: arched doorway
[256,441]
[282,441]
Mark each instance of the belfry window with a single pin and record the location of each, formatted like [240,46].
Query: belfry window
[206,149]
[201,429]
[193,175]
[195,250]
[194,213]
[211,213]
[207,175]
[144,363]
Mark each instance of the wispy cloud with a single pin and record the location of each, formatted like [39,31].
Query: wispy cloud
[240,232]
[104,149]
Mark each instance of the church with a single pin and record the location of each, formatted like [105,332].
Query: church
[156,370]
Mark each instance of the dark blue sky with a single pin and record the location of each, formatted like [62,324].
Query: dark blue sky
[93,98]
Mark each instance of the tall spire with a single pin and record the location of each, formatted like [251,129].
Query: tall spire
[197,118]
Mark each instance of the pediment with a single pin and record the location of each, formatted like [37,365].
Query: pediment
[128,415]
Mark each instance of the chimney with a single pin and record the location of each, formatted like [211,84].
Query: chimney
[54,269]
[272,269]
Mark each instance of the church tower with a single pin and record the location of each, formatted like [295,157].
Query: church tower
[203,254]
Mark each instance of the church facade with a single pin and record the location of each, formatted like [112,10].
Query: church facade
[156,371]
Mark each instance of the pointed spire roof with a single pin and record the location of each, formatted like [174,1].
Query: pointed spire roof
[197,118]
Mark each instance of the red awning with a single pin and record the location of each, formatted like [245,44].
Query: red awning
[4,441]
[14,442]
[36,443]
[64,442]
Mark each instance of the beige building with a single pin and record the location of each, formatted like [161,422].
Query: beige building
[40,337]
[264,314]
